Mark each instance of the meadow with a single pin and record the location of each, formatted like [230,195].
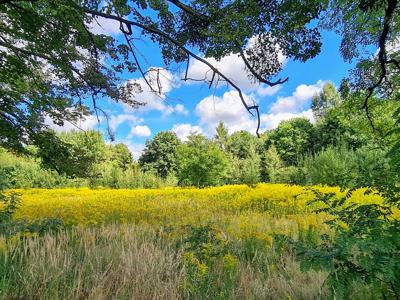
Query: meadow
[170,243]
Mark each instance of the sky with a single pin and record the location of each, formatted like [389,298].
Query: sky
[186,107]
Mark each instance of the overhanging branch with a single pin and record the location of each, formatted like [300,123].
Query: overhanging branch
[382,55]
[156,31]
[255,74]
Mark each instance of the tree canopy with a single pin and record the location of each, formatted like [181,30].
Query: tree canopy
[53,66]
[160,154]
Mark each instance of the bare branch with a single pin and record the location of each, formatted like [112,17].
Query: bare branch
[189,10]
[137,62]
[187,67]
[156,31]
[255,74]
[212,80]
[382,56]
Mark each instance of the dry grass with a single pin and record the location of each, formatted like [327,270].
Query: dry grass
[129,244]
[109,263]
[287,283]
[134,262]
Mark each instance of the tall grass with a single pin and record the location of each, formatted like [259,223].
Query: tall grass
[104,263]
[134,262]
[214,243]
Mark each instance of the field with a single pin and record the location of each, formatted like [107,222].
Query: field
[172,243]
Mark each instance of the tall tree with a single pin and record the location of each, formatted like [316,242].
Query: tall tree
[292,139]
[221,135]
[121,154]
[202,162]
[75,153]
[160,154]
[242,144]
[325,100]
[271,163]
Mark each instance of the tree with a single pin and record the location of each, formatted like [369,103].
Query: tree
[292,139]
[345,124]
[221,135]
[54,66]
[79,152]
[242,144]
[50,64]
[160,154]
[201,162]
[325,100]
[246,170]
[335,130]
[121,154]
[361,25]
[242,148]
[271,164]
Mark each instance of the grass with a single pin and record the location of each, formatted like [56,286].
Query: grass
[134,262]
[215,243]
[113,262]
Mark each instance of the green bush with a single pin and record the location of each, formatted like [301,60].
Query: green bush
[111,175]
[24,172]
[287,175]
[340,166]
[202,163]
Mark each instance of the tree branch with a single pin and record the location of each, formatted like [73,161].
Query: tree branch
[255,74]
[156,31]
[189,10]
[382,55]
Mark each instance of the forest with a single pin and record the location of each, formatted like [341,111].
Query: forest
[339,149]
[306,206]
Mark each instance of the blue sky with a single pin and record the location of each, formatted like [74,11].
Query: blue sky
[185,107]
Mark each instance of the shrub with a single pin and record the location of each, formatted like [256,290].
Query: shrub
[340,166]
[24,172]
[201,163]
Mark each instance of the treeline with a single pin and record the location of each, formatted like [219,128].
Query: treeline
[341,148]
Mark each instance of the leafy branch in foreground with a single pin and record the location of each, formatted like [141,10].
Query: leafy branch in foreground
[364,248]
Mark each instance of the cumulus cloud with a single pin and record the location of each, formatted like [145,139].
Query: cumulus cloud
[184,130]
[180,109]
[85,123]
[161,82]
[140,131]
[117,120]
[100,25]
[298,100]
[269,90]
[271,121]
[228,109]
[234,68]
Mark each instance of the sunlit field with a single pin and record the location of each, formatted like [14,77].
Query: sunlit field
[168,243]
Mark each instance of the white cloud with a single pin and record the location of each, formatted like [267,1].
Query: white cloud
[233,67]
[297,101]
[140,131]
[86,123]
[269,90]
[161,82]
[100,25]
[117,120]
[180,109]
[135,148]
[228,109]
[271,121]
[184,130]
